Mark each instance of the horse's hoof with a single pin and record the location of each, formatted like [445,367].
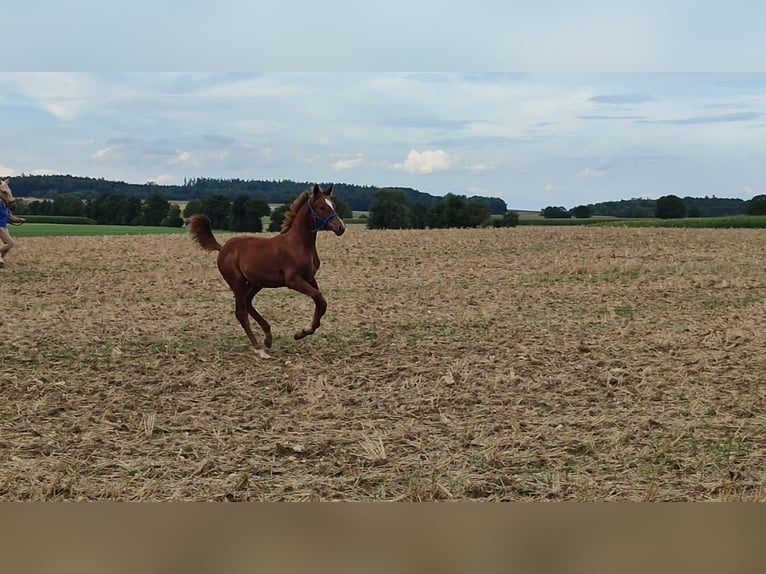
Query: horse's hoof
[262,354]
[267,343]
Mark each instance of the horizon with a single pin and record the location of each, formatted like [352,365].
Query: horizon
[509,208]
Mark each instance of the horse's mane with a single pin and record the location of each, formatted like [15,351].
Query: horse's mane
[287,222]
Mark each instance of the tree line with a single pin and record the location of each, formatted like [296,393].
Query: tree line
[358,197]
[244,213]
[107,209]
[666,207]
[390,210]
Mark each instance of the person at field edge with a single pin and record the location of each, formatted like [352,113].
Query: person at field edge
[6,215]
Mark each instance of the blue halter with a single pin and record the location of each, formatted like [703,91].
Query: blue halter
[320,222]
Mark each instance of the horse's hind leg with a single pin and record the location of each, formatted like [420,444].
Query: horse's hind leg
[265,327]
[241,289]
[244,319]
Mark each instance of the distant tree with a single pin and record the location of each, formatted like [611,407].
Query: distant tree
[436,216]
[552,212]
[217,208]
[154,209]
[255,210]
[343,208]
[22,207]
[237,217]
[419,215]
[107,208]
[173,218]
[278,216]
[454,211]
[246,213]
[132,213]
[639,211]
[389,210]
[68,205]
[694,211]
[194,206]
[509,219]
[670,207]
[756,206]
[582,212]
[476,214]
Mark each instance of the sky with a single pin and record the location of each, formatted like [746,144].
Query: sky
[532,139]
[605,100]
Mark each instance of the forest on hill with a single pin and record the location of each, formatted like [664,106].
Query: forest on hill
[695,206]
[358,198]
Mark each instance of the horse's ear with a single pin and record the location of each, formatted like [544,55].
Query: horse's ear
[317,190]
[328,191]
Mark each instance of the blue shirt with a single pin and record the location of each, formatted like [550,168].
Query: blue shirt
[5,213]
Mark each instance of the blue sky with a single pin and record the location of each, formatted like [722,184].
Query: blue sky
[532,139]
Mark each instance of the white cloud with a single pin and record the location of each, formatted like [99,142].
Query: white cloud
[550,188]
[350,163]
[199,158]
[424,162]
[590,172]
[482,166]
[6,171]
[102,153]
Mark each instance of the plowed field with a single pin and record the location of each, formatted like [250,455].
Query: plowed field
[532,363]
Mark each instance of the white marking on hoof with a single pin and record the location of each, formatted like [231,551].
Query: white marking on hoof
[262,354]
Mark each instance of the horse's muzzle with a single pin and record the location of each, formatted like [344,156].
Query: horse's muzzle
[341,229]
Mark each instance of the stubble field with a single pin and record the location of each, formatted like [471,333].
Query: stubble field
[534,363]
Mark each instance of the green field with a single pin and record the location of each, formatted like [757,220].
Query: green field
[727,222]
[37,229]
[540,220]
[734,221]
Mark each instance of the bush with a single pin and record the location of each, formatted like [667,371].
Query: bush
[670,207]
[389,210]
[173,218]
[509,219]
[582,212]
[552,212]
[756,206]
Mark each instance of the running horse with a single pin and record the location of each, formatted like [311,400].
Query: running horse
[6,196]
[289,259]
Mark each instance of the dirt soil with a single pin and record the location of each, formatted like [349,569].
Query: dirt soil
[533,363]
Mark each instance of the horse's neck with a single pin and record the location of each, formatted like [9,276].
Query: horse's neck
[301,228]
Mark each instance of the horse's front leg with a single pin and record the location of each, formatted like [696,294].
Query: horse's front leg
[310,288]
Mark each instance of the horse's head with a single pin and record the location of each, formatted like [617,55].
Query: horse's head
[323,211]
[5,192]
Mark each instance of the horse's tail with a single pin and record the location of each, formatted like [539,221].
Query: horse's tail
[202,232]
